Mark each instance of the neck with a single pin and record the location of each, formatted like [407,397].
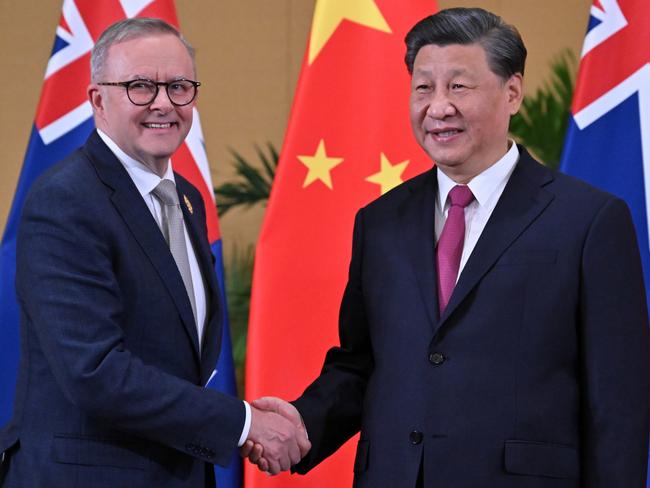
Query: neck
[465,172]
[158,167]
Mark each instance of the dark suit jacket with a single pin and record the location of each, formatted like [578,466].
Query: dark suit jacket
[537,373]
[110,389]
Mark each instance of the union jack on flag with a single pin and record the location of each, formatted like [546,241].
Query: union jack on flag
[62,124]
[608,139]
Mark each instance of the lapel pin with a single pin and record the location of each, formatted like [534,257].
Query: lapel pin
[188,204]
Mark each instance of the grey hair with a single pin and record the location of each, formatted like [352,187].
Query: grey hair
[505,50]
[126,30]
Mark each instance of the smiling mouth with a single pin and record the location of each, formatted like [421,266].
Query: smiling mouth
[159,125]
[443,134]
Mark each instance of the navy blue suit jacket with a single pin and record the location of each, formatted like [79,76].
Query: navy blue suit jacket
[536,375]
[110,388]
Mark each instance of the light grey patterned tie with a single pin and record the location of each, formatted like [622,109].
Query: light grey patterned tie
[174,232]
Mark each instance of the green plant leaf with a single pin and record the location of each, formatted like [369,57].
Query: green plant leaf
[253,185]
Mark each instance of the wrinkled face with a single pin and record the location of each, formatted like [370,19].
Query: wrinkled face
[150,133]
[460,109]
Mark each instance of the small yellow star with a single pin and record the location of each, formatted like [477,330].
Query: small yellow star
[319,166]
[329,14]
[389,175]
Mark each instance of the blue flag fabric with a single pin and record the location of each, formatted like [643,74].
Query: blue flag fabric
[63,122]
[224,378]
[608,138]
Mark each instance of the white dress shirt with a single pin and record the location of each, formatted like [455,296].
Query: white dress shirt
[487,188]
[146,181]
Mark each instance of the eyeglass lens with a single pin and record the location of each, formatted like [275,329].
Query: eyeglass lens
[143,92]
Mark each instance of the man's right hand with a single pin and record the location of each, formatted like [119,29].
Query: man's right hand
[283,442]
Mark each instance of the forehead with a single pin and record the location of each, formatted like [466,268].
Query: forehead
[150,55]
[455,57]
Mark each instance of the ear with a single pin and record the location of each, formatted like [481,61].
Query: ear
[96,98]
[515,92]
[98,103]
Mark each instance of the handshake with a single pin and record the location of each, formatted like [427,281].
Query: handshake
[277,438]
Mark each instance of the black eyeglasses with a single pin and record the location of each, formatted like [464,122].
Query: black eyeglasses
[143,92]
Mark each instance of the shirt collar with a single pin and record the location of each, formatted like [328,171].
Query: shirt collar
[144,178]
[484,184]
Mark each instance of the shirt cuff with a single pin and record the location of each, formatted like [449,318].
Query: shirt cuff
[247,425]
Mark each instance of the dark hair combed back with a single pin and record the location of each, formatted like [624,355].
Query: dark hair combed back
[128,29]
[506,53]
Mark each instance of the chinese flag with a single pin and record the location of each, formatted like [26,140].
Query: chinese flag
[348,142]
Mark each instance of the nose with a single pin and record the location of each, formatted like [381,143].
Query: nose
[440,106]
[161,102]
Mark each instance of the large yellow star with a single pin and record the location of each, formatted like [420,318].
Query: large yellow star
[389,175]
[329,14]
[319,166]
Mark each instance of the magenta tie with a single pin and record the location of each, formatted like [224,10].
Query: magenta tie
[450,244]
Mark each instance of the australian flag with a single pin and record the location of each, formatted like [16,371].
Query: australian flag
[62,124]
[608,139]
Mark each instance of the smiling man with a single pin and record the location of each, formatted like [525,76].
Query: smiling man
[120,313]
[494,329]
[147,127]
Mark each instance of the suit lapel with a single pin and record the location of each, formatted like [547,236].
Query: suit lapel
[417,217]
[138,219]
[195,222]
[522,201]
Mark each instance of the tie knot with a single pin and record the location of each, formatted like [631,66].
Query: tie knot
[461,195]
[166,192]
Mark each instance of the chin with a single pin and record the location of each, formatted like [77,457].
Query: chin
[447,162]
[164,151]
[443,158]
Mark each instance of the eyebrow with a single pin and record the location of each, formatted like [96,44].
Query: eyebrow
[138,76]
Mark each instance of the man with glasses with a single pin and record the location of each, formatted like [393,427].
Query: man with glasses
[120,314]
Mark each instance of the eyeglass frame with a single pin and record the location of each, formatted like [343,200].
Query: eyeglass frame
[157,84]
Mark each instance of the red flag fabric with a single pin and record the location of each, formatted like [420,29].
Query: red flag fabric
[348,141]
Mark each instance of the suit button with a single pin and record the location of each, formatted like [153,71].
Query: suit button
[415,437]
[437,358]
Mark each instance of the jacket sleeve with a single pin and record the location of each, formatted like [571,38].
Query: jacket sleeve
[615,357]
[332,405]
